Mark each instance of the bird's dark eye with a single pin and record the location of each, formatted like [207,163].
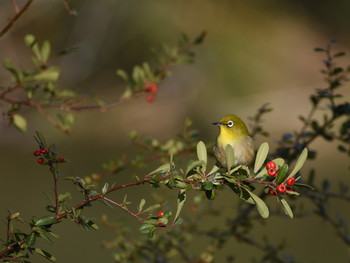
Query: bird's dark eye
[230,124]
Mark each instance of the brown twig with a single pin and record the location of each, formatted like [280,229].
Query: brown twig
[15,6]
[68,8]
[122,206]
[19,13]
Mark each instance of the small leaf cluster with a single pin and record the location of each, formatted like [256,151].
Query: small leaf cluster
[38,86]
[335,113]
[240,179]
[145,78]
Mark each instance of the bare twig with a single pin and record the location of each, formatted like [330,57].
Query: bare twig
[19,13]
[68,8]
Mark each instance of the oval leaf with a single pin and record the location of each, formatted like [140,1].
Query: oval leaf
[161,169]
[30,239]
[287,208]
[45,220]
[105,189]
[301,160]
[193,165]
[19,122]
[202,152]
[142,203]
[181,198]
[282,174]
[152,207]
[45,254]
[260,205]
[261,156]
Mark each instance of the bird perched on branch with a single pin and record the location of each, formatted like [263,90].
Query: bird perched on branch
[233,131]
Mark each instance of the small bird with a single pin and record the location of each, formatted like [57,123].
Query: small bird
[233,131]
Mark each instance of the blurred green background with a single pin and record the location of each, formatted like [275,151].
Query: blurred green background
[256,52]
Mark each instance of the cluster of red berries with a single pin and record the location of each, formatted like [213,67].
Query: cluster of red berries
[281,188]
[152,88]
[43,152]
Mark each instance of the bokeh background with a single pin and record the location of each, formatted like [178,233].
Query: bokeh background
[256,52]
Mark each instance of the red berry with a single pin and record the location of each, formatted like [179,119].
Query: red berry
[150,98]
[153,88]
[61,159]
[291,181]
[41,161]
[272,171]
[160,214]
[36,153]
[272,192]
[43,150]
[271,165]
[281,188]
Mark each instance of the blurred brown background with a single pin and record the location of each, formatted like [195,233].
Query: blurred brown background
[255,52]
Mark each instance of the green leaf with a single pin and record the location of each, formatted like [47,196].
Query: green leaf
[45,254]
[151,233]
[16,73]
[163,221]
[19,122]
[214,169]
[44,236]
[194,164]
[230,157]
[151,221]
[32,42]
[50,75]
[181,198]
[305,186]
[161,169]
[40,139]
[300,162]
[122,74]
[151,208]
[45,220]
[29,40]
[260,204]
[202,152]
[282,174]
[207,185]
[30,239]
[261,156]
[287,208]
[89,224]
[105,188]
[45,51]
[241,192]
[64,197]
[210,194]
[146,228]
[128,92]
[141,205]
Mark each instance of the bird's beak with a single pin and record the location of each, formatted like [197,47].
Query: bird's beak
[217,123]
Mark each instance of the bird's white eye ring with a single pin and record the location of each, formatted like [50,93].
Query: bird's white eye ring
[230,124]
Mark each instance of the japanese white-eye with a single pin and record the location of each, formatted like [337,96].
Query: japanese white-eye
[233,131]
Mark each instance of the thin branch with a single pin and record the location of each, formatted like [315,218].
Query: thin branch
[55,179]
[15,18]
[15,6]
[124,208]
[68,8]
